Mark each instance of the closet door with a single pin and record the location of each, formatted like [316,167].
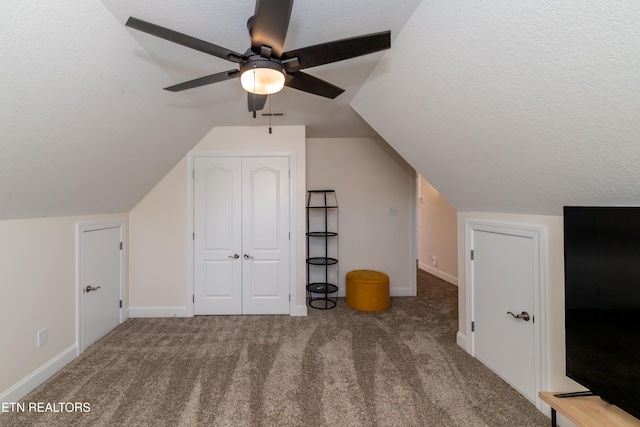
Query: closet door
[265,235]
[218,235]
[241,245]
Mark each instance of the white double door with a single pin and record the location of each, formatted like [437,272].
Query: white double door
[241,242]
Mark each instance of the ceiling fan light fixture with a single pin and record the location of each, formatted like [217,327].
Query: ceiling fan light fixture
[262,77]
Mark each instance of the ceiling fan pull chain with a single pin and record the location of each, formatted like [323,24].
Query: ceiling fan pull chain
[270,115]
[254,91]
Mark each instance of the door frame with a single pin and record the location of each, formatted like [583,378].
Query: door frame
[191,156]
[538,236]
[82,228]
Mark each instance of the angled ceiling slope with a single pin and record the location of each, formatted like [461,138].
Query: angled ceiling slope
[82,132]
[513,106]
[86,127]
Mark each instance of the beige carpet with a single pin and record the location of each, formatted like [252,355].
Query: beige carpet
[337,367]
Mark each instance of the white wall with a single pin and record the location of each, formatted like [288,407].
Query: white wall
[369,179]
[38,290]
[159,225]
[367,175]
[437,231]
[556,379]
[158,247]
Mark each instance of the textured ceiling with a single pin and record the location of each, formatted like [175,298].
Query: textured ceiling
[85,126]
[518,107]
[503,106]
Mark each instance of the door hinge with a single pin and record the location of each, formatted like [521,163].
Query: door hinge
[193,175]
[472,255]
[120,303]
[194,236]
[473,326]
[289,297]
[120,245]
[289,235]
[193,298]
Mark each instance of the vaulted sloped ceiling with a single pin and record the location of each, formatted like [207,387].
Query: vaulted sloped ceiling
[85,127]
[518,107]
[81,130]
[503,106]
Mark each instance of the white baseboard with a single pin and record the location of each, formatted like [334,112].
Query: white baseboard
[159,312]
[438,273]
[393,292]
[401,292]
[461,340]
[142,312]
[299,311]
[39,376]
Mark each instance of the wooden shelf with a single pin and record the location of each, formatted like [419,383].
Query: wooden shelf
[588,411]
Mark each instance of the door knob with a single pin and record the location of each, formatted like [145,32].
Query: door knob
[247,256]
[524,316]
[234,256]
[90,288]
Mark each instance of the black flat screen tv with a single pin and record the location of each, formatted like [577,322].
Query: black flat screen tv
[602,302]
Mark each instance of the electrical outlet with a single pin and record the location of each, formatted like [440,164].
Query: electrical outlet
[434,260]
[393,211]
[43,336]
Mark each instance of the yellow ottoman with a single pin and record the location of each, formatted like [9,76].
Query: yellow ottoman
[368,290]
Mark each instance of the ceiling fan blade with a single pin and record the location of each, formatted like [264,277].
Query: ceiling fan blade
[308,83]
[335,51]
[256,102]
[269,25]
[185,40]
[206,80]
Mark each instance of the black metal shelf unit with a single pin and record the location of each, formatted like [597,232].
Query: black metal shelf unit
[322,249]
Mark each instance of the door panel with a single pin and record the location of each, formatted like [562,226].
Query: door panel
[100,269]
[267,286]
[503,281]
[263,205]
[265,235]
[220,211]
[219,279]
[217,219]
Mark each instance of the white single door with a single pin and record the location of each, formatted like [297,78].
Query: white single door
[241,248]
[503,282]
[265,235]
[218,235]
[101,273]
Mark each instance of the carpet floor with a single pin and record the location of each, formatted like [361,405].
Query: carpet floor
[337,367]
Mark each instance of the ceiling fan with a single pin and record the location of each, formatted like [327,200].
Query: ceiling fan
[264,68]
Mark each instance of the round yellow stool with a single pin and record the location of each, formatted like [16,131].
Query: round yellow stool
[368,290]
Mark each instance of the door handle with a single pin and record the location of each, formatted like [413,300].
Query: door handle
[247,256]
[90,288]
[524,316]
[234,256]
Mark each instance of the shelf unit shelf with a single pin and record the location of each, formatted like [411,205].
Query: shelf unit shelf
[322,249]
[322,261]
[321,234]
